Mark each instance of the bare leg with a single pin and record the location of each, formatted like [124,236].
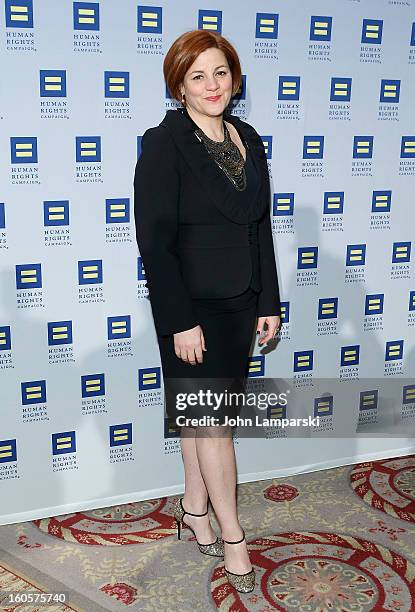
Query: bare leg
[216,455]
[195,493]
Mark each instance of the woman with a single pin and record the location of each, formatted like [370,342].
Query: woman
[202,199]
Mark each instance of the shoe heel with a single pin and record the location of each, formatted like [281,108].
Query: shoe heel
[178,529]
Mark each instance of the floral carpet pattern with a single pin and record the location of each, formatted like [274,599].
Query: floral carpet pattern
[341,540]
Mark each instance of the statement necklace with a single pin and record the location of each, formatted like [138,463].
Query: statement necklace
[227,156]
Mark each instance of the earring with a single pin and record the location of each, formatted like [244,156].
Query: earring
[183,100]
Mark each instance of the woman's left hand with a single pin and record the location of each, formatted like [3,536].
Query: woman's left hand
[273,323]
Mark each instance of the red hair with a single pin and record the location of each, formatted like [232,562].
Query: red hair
[184,51]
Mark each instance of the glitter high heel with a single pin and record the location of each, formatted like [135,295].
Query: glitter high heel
[244,583]
[215,549]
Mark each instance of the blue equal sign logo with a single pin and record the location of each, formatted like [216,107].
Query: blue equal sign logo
[56,212]
[355,255]
[59,332]
[374,304]
[5,338]
[63,443]
[256,366]
[117,210]
[289,88]
[86,16]
[117,84]
[389,90]
[323,406]
[307,257]
[119,327]
[88,148]
[283,204]
[349,355]
[368,400]
[303,361]
[320,28]
[8,450]
[313,147]
[333,202]
[121,434]
[362,147]
[28,276]
[23,150]
[53,83]
[149,20]
[93,385]
[33,392]
[266,25]
[394,350]
[19,13]
[327,308]
[210,20]
[372,31]
[149,378]
[90,271]
[340,89]
[381,201]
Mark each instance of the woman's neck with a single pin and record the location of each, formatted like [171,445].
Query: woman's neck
[213,127]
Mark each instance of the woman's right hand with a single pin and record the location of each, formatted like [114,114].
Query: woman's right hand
[189,345]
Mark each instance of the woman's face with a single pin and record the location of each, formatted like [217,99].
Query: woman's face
[207,84]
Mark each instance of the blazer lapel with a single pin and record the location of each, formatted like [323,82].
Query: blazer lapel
[211,178]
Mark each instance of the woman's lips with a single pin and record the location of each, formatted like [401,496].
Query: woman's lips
[213,98]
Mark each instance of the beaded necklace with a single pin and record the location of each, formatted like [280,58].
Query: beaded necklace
[227,156]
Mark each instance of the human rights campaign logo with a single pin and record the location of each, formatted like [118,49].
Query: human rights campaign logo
[401,252]
[267,142]
[117,210]
[53,83]
[8,450]
[149,19]
[363,147]
[328,307]
[121,434]
[266,25]
[393,350]
[141,274]
[320,28]
[368,400]
[117,84]
[63,443]
[28,276]
[210,20]
[333,202]
[23,149]
[92,385]
[19,14]
[372,31]
[289,88]
[86,16]
[56,212]
[340,89]
[408,146]
[323,406]
[307,257]
[90,271]
[148,378]
[256,366]
[33,392]
[389,90]
[349,355]
[381,201]
[355,254]
[59,332]
[5,338]
[119,327]
[313,147]
[303,361]
[374,303]
[88,148]
[283,204]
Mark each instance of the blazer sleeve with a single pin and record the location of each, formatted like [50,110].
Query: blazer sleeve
[156,198]
[269,302]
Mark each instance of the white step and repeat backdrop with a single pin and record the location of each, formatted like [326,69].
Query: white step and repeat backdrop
[330,87]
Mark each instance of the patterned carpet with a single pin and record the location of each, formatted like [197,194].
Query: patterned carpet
[336,540]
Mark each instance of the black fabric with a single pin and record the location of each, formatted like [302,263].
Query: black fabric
[228,326]
[178,185]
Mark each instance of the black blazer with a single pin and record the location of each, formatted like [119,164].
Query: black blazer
[194,239]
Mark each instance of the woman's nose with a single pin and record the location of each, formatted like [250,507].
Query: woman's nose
[212,83]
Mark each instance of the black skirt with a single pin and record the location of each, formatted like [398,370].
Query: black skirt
[228,326]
